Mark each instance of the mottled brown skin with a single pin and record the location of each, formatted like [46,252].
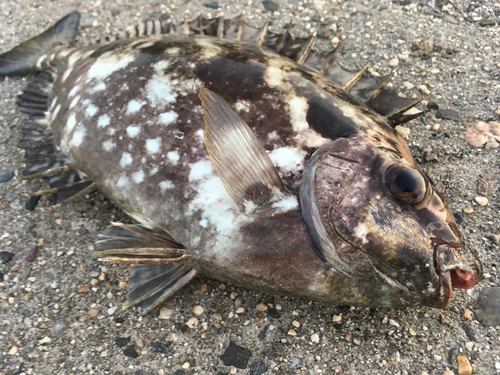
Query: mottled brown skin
[392,263]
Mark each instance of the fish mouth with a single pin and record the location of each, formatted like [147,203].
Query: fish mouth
[456,269]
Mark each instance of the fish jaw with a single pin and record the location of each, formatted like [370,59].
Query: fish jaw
[456,268]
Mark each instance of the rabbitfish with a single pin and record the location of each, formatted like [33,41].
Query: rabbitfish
[244,155]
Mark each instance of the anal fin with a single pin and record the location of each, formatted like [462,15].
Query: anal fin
[161,265]
[150,285]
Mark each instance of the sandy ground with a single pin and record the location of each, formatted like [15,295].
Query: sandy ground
[49,327]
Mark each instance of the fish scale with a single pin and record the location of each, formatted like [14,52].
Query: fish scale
[245,155]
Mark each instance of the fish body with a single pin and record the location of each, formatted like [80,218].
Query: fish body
[250,167]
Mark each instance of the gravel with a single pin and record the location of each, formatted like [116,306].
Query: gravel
[447,52]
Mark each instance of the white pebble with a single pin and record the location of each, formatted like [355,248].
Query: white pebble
[198,310]
[192,323]
[45,340]
[165,313]
[315,338]
[392,322]
[424,90]
[13,350]
[482,201]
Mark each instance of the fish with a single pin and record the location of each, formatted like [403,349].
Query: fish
[245,155]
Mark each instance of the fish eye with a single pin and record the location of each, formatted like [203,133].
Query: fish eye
[406,184]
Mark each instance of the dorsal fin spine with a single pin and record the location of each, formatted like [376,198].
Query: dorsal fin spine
[331,58]
[356,78]
[262,35]
[303,54]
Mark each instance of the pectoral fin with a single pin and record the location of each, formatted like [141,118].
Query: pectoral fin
[243,165]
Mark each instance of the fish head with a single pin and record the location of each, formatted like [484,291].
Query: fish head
[387,224]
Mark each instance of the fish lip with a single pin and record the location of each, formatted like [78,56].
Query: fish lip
[452,271]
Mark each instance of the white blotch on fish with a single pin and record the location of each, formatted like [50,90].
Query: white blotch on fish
[103,121]
[153,145]
[91,110]
[166,185]
[133,131]
[125,160]
[109,63]
[168,118]
[287,159]
[134,106]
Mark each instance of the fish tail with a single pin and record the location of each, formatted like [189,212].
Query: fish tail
[34,54]
[161,265]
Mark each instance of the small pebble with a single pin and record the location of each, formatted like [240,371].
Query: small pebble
[296,324]
[122,341]
[7,176]
[122,284]
[403,131]
[469,346]
[13,350]
[408,85]
[464,367]
[262,307]
[32,202]
[112,310]
[241,310]
[186,366]
[94,282]
[165,313]
[198,310]
[102,276]
[468,210]
[203,288]
[445,320]
[393,323]
[467,316]
[84,289]
[394,62]
[337,318]
[315,338]
[93,313]
[192,323]
[424,90]
[448,373]
[337,369]
[482,201]
[45,340]
[212,5]
[436,127]
[131,352]
[292,332]
[484,133]
[487,308]
[32,254]
[161,347]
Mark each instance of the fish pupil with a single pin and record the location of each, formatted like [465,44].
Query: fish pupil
[405,182]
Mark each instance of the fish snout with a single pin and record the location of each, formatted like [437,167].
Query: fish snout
[458,265]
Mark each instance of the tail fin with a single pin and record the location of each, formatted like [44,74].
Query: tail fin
[23,58]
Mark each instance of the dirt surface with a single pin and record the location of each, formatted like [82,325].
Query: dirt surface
[51,325]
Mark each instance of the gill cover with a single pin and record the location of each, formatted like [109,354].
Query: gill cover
[361,201]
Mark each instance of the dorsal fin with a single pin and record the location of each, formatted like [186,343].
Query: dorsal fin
[363,86]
